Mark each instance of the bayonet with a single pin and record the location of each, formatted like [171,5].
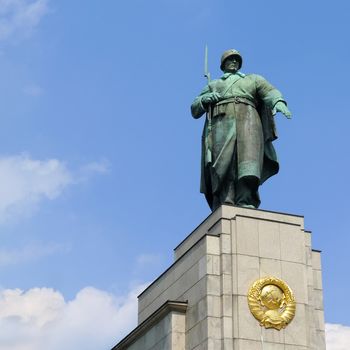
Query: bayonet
[206,70]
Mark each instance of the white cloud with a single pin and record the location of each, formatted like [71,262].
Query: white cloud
[25,182]
[41,319]
[18,18]
[100,167]
[30,253]
[337,337]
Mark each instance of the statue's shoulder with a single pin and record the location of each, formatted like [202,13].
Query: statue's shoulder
[254,76]
[214,83]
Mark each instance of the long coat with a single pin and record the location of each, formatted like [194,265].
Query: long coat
[243,97]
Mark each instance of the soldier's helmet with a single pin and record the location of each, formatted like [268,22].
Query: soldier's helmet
[229,53]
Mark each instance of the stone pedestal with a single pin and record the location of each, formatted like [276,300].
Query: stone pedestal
[200,301]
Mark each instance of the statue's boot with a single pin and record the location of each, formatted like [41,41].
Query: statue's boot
[247,192]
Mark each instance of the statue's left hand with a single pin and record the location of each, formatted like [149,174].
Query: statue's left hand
[282,107]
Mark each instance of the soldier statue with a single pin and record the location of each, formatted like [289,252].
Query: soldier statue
[237,151]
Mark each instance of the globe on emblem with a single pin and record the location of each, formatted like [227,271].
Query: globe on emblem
[272,297]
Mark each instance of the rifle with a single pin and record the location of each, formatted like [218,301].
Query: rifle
[208,138]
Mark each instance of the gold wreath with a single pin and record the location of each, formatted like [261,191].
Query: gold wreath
[268,318]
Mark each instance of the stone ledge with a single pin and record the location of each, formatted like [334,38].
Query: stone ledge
[230,212]
[165,309]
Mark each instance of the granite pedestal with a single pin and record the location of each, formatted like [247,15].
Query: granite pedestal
[200,301]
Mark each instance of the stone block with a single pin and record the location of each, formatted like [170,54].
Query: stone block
[308,256]
[138,345]
[164,344]
[247,235]
[318,299]
[234,275]
[316,260]
[226,327]
[319,320]
[295,275]
[310,276]
[214,344]
[225,242]
[292,244]
[213,245]
[202,346]
[226,285]
[196,334]
[213,285]
[272,335]
[248,326]
[222,226]
[247,272]
[270,267]
[209,264]
[227,344]
[227,306]
[234,236]
[317,279]
[271,346]
[193,316]
[178,341]
[226,264]
[320,340]
[151,338]
[214,327]
[235,319]
[213,306]
[196,293]
[269,239]
[178,323]
[307,239]
[245,344]
[201,310]
[296,331]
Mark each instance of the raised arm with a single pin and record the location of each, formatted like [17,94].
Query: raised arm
[272,97]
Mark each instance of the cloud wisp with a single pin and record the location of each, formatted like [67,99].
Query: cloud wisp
[41,318]
[18,18]
[30,252]
[33,90]
[25,182]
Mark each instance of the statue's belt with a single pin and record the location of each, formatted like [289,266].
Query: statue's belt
[220,107]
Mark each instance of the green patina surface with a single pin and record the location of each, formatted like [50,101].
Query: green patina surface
[237,150]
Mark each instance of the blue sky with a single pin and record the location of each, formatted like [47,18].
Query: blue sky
[100,158]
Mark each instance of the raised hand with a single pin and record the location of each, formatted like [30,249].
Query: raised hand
[282,107]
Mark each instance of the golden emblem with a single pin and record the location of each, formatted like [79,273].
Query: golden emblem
[271,302]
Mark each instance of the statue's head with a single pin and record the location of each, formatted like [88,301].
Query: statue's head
[227,61]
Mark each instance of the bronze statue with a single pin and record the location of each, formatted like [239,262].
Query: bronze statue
[237,151]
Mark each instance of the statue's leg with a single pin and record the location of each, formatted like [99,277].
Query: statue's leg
[247,192]
[250,151]
[224,158]
[227,191]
